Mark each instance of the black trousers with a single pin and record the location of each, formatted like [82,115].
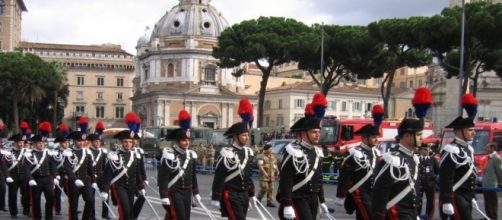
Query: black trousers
[491,203]
[87,193]
[3,191]
[20,183]
[44,185]
[138,204]
[181,204]
[306,208]
[234,204]
[58,194]
[104,209]
[124,198]
[362,202]
[430,196]
[400,212]
[462,205]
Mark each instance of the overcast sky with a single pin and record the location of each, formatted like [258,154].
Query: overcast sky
[124,21]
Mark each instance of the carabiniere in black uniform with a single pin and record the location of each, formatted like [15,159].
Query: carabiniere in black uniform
[356,176]
[81,178]
[122,177]
[44,173]
[59,157]
[232,185]
[394,189]
[177,181]
[99,155]
[18,175]
[457,175]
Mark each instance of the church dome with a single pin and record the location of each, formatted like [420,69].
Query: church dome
[190,18]
[143,41]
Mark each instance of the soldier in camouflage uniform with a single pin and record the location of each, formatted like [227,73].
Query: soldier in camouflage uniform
[210,151]
[201,152]
[268,170]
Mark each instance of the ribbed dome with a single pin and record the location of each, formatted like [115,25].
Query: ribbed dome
[190,18]
[143,41]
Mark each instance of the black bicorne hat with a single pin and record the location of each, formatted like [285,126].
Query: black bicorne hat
[93,137]
[37,138]
[410,125]
[368,130]
[179,134]
[17,137]
[305,124]
[60,139]
[77,136]
[237,129]
[125,134]
[461,123]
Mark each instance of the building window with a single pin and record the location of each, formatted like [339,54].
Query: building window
[267,120]
[332,105]
[356,107]
[368,107]
[402,84]
[2,6]
[119,112]
[100,111]
[1,26]
[80,109]
[120,82]
[344,106]
[378,81]
[279,106]
[419,83]
[119,96]
[101,81]
[411,84]
[210,74]
[280,120]
[170,70]
[146,71]
[80,80]
[402,70]
[266,106]
[99,96]
[299,103]
[80,95]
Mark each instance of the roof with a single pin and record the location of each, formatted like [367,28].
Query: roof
[110,48]
[253,82]
[311,86]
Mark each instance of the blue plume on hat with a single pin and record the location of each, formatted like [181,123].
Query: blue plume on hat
[470,104]
[184,119]
[132,121]
[83,123]
[422,102]
[377,114]
[63,130]
[319,105]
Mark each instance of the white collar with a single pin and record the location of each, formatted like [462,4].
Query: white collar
[405,150]
[492,155]
[364,146]
[237,146]
[461,142]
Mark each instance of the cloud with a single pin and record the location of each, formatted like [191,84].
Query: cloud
[124,21]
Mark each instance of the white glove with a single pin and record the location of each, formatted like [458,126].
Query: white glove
[9,180]
[58,177]
[253,202]
[324,208]
[197,197]
[32,183]
[448,209]
[165,201]
[339,201]
[95,186]
[289,212]
[142,192]
[146,182]
[79,183]
[215,203]
[103,195]
[56,181]
[475,203]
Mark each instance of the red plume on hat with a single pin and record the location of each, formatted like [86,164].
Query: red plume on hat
[309,110]
[24,126]
[319,104]
[132,120]
[63,130]
[45,128]
[184,119]
[100,127]
[470,104]
[246,110]
[83,123]
[1,125]
[377,114]
[422,101]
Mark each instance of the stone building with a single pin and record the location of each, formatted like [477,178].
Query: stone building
[99,78]
[175,70]
[11,12]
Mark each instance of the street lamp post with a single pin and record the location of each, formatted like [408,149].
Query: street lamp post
[461,68]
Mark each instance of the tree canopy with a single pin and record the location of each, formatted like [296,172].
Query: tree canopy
[267,42]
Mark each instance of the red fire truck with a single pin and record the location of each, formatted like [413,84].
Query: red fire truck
[339,133]
[486,132]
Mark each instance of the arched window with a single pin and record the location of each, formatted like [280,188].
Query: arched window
[170,70]
[2,6]
[146,71]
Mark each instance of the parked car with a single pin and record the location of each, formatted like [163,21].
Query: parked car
[278,147]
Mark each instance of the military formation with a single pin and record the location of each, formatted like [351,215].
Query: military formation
[370,185]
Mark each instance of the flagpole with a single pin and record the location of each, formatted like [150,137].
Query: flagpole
[461,68]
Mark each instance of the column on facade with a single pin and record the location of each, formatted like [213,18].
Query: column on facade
[224,115]
[193,113]
[230,115]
